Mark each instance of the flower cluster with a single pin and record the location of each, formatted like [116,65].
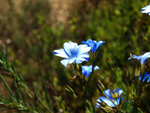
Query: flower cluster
[74,53]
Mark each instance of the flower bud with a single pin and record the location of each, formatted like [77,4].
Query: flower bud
[132,95]
[137,72]
[115,95]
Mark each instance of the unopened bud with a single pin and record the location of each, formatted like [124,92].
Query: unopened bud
[115,95]
[142,68]
[131,55]
[132,95]
[137,72]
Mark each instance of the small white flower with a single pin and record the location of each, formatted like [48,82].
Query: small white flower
[8,41]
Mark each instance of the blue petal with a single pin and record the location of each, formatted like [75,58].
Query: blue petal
[93,44]
[117,102]
[86,70]
[140,77]
[107,93]
[99,44]
[145,77]
[148,79]
[83,42]
[136,57]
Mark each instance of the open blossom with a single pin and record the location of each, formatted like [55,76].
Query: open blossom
[110,98]
[86,70]
[146,9]
[93,44]
[142,58]
[146,76]
[73,53]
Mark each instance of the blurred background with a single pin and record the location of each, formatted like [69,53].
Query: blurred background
[32,29]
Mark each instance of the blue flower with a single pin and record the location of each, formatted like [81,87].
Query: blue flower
[93,44]
[110,98]
[142,58]
[73,53]
[146,9]
[146,76]
[86,70]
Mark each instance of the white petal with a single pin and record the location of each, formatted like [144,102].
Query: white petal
[69,47]
[96,67]
[83,48]
[83,55]
[65,62]
[72,60]
[107,101]
[60,53]
[80,60]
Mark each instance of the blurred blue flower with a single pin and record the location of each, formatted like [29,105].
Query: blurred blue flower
[73,53]
[93,44]
[110,98]
[146,9]
[146,76]
[86,70]
[142,58]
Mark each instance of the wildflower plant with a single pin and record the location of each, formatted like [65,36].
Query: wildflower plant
[112,101]
[85,64]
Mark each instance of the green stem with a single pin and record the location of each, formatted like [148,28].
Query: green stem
[139,93]
[9,89]
[93,64]
[89,92]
